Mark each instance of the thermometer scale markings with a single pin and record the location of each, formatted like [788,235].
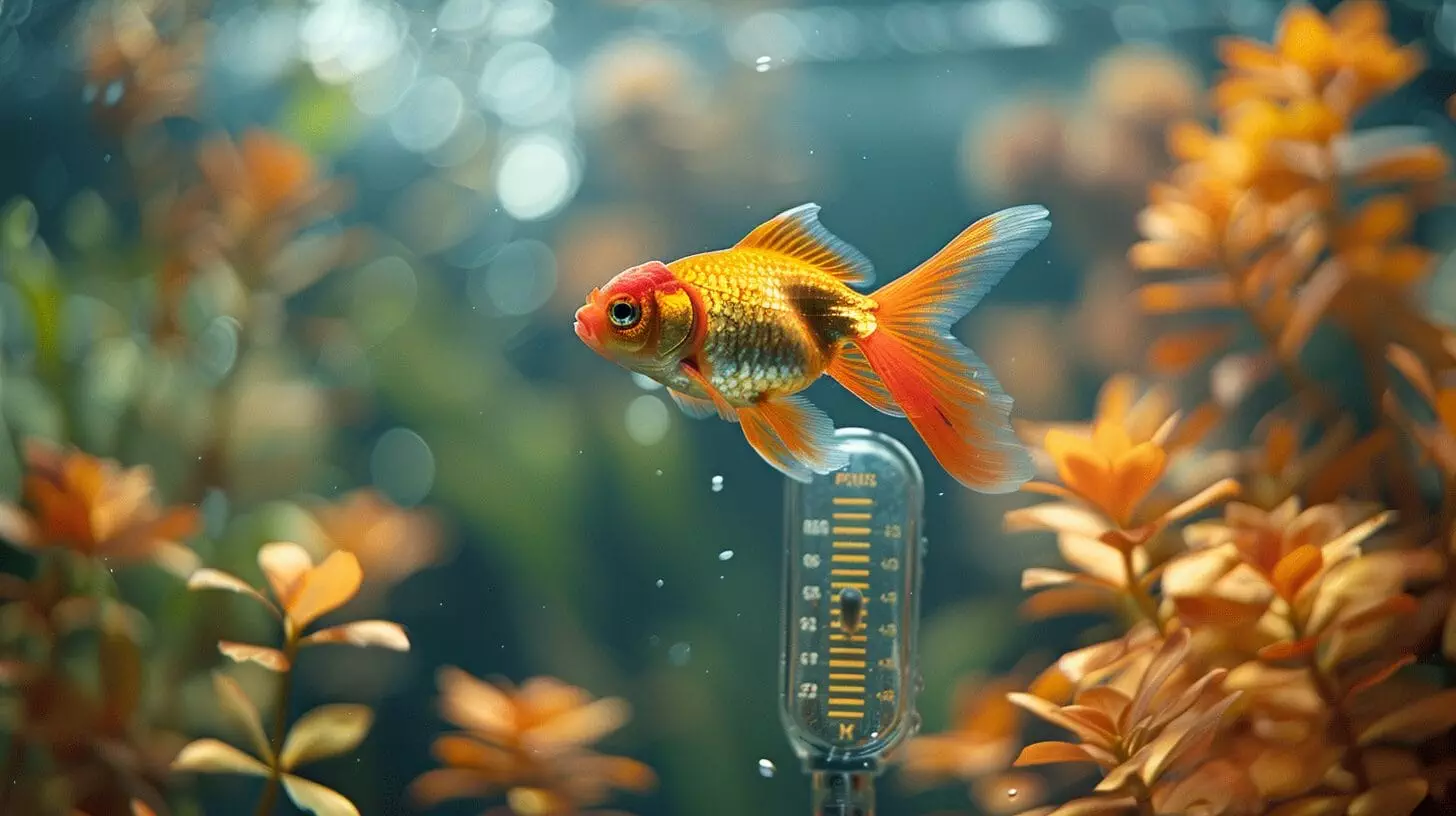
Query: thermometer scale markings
[850,702]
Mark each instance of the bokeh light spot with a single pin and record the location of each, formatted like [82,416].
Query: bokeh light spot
[538,174]
[403,466]
[647,420]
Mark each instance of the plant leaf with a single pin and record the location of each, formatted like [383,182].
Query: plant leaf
[207,578]
[1222,490]
[363,633]
[1048,753]
[578,726]
[1295,570]
[216,756]
[1414,722]
[326,731]
[1287,650]
[270,659]
[324,588]
[240,709]
[1095,806]
[1069,600]
[443,784]
[1397,798]
[1379,676]
[1217,611]
[283,564]
[317,799]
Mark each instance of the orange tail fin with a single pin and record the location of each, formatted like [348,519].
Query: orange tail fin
[950,396]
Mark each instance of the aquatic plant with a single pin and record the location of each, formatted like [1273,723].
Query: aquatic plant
[529,743]
[165,408]
[1290,654]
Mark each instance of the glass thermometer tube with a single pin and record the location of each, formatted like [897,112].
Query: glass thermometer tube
[851,607]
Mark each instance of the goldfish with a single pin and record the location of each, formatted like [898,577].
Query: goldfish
[739,332]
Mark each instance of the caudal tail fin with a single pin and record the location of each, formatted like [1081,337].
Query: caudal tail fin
[949,395]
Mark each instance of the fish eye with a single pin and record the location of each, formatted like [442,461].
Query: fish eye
[624,314]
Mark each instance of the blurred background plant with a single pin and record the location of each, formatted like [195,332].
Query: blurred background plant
[302,271]
[1293,653]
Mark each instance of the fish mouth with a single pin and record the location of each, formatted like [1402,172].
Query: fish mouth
[586,321]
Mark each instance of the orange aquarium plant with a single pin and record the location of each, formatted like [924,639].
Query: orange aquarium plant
[1287,628]
[99,635]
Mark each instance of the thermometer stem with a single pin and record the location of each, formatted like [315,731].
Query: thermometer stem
[837,793]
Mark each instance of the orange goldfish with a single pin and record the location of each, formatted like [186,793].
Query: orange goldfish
[741,331]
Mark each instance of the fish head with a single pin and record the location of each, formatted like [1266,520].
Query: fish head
[642,319]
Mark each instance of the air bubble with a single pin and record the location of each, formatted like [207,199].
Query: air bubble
[766,768]
[725,555]
[717,484]
[660,582]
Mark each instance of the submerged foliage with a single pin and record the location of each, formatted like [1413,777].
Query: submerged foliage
[187,365]
[1290,654]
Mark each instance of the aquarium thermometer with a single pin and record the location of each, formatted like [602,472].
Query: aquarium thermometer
[848,671]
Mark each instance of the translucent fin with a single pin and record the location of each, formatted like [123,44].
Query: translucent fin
[850,369]
[692,406]
[793,436]
[719,402]
[949,395]
[798,234]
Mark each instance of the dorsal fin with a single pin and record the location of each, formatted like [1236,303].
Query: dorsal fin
[798,234]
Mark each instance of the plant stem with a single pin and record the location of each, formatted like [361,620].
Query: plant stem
[1140,596]
[1352,758]
[269,798]
[1142,796]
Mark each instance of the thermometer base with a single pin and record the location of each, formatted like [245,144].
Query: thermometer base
[843,794]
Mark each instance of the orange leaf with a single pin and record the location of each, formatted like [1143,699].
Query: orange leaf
[1211,610]
[1379,676]
[325,588]
[270,659]
[1414,722]
[1295,570]
[1048,753]
[1176,353]
[1185,296]
[363,633]
[217,579]
[1427,162]
[1287,650]
[1305,39]
[1397,798]
[1355,462]
[1148,255]
[1394,606]
[1410,366]
[1070,600]
[1247,55]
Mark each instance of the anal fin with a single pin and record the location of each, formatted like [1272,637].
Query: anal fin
[850,369]
[793,436]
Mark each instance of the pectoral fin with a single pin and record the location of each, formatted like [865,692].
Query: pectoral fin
[793,436]
[692,406]
[725,410]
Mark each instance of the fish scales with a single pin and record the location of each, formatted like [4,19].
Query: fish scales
[771,320]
